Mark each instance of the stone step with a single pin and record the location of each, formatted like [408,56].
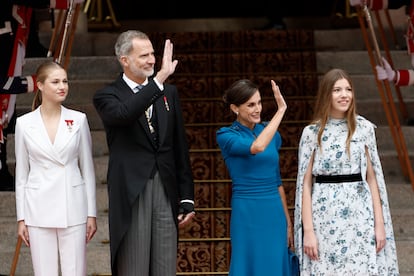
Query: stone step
[405,251]
[401,200]
[357,62]
[324,41]
[82,68]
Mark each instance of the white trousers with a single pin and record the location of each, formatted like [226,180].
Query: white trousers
[47,244]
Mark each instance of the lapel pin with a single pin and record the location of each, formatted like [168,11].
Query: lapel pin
[166,103]
[69,124]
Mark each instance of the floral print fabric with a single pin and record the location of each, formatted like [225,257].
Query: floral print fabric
[343,214]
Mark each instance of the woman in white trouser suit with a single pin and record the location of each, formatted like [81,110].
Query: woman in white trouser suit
[55,179]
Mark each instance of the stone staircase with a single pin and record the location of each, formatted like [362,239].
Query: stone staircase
[93,65]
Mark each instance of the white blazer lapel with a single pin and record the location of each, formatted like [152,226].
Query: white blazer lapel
[68,126]
[36,131]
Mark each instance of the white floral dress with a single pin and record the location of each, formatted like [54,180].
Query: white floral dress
[343,216]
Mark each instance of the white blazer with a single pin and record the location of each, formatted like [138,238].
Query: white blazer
[55,183]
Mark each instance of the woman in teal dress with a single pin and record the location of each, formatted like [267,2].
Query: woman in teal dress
[260,226]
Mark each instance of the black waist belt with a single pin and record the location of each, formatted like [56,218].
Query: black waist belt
[338,178]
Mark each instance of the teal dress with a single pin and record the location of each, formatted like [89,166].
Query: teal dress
[258,227]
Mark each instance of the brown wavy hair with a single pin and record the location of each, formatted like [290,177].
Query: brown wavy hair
[323,104]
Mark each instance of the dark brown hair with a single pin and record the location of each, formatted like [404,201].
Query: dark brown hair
[240,92]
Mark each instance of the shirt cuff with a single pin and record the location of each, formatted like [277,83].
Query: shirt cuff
[160,86]
[187,201]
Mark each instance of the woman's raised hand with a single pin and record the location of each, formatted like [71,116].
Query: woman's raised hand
[281,104]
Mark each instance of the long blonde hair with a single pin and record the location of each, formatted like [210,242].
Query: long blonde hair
[323,104]
[42,73]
